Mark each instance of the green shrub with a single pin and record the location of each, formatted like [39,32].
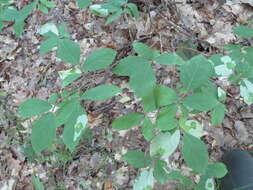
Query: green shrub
[9,13]
[173,127]
[112,9]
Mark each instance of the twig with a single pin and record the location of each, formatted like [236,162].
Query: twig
[103,108]
[180,29]
[161,43]
[200,52]
[5,67]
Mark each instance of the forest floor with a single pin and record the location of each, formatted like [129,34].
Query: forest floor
[96,163]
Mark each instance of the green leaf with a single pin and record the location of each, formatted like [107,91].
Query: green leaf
[144,51]
[37,183]
[99,59]
[127,11]
[19,28]
[130,65]
[160,173]
[143,76]
[192,127]
[187,49]
[48,45]
[99,10]
[246,91]
[74,127]
[117,3]
[65,73]
[216,59]
[195,153]
[101,92]
[230,61]
[70,75]
[245,68]
[164,96]
[205,183]
[149,102]
[217,170]
[43,8]
[233,47]
[65,111]
[158,97]
[195,72]
[9,14]
[113,6]
[29,153]
[83,4]
[209,184]
[221,94]
[68,94]
[164,144]
[247,54]
[226,68]
[49,4]
[53,98]
[63,30]
[43,132]
[218,114]
[209,87]
[137,159]
[234,79]
[146,79]
[70,78]
[200,101]
[6,2]
[68,51]
[133,10]
[1,26]
[165,119]
[127,121]
[145,181]
[169,59]
[185,181]
[49,27]
[235,55]
[24,12]
[113,16]
[165,123]
[147,129]
[243,31]
[140,72]
[33,107]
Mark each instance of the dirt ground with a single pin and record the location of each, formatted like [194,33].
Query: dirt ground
[97,163]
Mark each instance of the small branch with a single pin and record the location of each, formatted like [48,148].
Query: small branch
[191,49]
[5,68]
[180,29]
